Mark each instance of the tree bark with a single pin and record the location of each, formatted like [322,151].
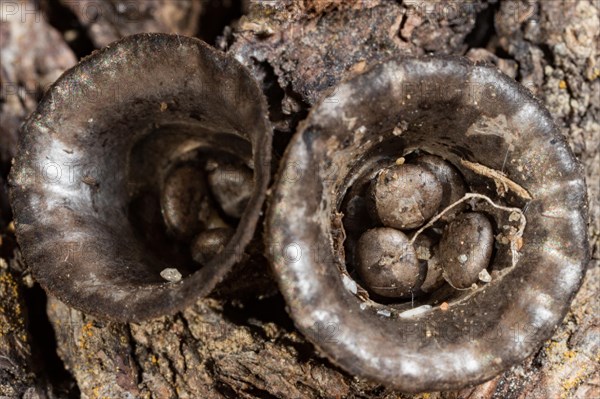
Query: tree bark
[230,346]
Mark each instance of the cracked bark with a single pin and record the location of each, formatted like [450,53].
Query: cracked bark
[240,347]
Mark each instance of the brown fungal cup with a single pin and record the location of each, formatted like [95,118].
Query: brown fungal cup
[97,150]
[505,145]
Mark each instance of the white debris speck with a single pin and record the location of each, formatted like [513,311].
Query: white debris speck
[397,131]
[485,276]
[363,306]
[415,311]
[514,216]
[171,274]
[384,312]
[350,284]
[463,258]
[502,239]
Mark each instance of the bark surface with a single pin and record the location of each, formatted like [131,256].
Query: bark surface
[246,346]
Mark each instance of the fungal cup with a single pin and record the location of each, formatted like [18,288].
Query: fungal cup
[518,172]
[130,122]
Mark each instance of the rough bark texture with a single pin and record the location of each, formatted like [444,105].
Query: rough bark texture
[228,347]
[108,21]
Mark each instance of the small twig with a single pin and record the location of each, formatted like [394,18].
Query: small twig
[513,239]
[12,363]
[498,177]
[505,159]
